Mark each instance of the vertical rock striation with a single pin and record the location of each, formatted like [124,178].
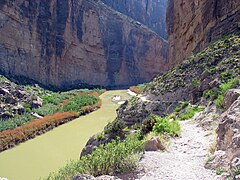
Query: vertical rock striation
[194,24]
[151,13]
[76,43]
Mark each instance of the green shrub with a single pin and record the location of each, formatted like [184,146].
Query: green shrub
[190,112]
[233,83]
[117,156]
[219,171]
[55,98]
[115,127]
[79,101]
[182,106]
[148,123]
[47,109]
[14,122]
[167,126]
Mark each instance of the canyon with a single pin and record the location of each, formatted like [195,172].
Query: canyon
[78,43]
[193,25]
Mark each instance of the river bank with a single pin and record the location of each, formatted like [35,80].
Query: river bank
[48,152]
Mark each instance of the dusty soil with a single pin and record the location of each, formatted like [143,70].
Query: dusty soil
[183,161]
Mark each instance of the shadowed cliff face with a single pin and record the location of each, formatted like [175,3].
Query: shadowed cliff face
[151,13]
[73,43]
[192,25]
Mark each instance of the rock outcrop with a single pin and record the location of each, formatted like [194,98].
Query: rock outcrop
[192,25]
[74,43]
[16,99]
[151,13]
[226,156]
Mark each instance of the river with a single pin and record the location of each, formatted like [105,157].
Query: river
[47,153]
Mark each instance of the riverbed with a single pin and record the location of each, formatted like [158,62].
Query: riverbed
[47,153]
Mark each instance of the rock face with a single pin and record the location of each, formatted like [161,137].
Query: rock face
[73,43]
[229,133]
[151,13]
[192,25]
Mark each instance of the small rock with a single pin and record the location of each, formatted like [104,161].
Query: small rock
[20,93]
[154,144]
[214,83]
[4,91]
[83,177]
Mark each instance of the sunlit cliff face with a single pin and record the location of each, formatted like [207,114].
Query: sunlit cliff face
[82,43]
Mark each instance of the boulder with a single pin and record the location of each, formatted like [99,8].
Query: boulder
[6,115]
[230,96]
[37,103]
[154,144]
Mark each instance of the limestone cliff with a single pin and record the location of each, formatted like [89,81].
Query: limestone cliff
[193,24]
[152,13]
[72,43]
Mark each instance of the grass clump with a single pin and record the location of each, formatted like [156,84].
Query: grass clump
[219,171]
[115,157]
[165,125]
[182,106]
[189,113]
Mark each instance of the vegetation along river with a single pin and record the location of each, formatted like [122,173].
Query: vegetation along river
[50,151]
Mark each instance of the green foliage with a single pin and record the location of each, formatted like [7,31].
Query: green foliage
[167,126]
[47,109]
[55,98]
[115,127]
[190,112]
[148,123]
[233,83]
[79,101]
[182,106]
[117,156]
[14,122]
[219,171]
[195,83]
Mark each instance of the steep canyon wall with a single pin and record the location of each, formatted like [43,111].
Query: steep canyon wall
[194,24]
[75,43]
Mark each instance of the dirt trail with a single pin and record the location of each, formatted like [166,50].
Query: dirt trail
[185,158]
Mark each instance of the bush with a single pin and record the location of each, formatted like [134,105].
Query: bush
[55,98]
[167,126]
[115,127]
[117,156]
[14,122]
[190,112]
[148,123]
[47,109]
[182,106]
[75,103]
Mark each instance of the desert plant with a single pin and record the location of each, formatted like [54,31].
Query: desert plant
[167,126]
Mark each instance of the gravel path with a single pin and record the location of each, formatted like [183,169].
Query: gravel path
[184,160]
